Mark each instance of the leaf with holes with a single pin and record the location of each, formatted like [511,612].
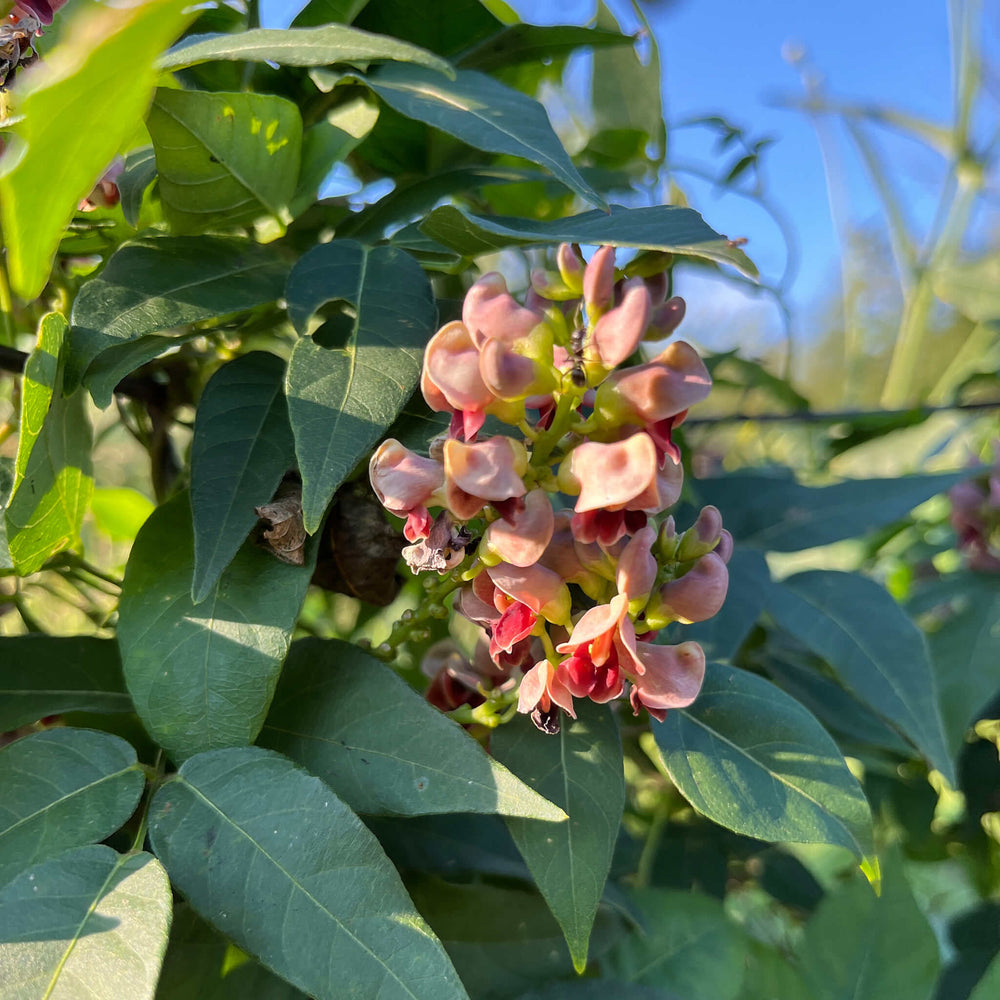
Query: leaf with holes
[341,399]
[90,923]
[227,159]
[580,770]
[270,856]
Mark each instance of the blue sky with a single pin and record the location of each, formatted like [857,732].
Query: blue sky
[725,57]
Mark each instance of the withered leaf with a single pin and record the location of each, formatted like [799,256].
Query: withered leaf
[284,535]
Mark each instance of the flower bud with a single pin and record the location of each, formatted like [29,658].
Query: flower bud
[666,541]
[571,267]
[666,318]
[702,536]
[695,596]
[599,282]
[618,331]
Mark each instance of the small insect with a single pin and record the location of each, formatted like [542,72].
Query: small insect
[578,376]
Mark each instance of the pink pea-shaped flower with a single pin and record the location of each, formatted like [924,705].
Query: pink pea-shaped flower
[523,539]
[619,331]
[599,281]
[482,472]
[490,312]
[695,596]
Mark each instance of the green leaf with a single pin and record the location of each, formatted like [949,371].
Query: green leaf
[481,112]
[771,976]
[328,142]
[120,511]
[41,380]
[598,989]
[341,400]
[327,716]
[690,947]
[779,515]
[138,174]
[328,45]
[156,283]
[723,634]
[965,648]
[224,159]
[839,710]
[242,447]
[328,12]
[989,985]
[88,925]
[680,231]
[281,866]
[625,93]
[502,938]
[416,199]
[46,510]
[580,770]
[44,675]
[201,965]
[63,788]
[859,946]
[873,647]
[515,44]
[752,759]
[202,676]
[447,27]
[78,106]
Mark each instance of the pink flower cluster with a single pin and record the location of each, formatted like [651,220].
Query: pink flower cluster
[571,597]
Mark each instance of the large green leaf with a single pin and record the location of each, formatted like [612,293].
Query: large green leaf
[515,44]
[46,510]
[965,648]
[156,283]
[79,106]
[859,946]
[779,515]
[202,676]
[88,925]
[873,647]
[341,399]
[598,989]
[201,965]
[319,46]
[41,380]
[580,770]
[280,865]
[752,759]
[318,12]
[690,947]
[63,788]
[723,634]
[481,112]
[242,447]
[447,27]
[329,716]
[224,159]
[680,231]
[44,675]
